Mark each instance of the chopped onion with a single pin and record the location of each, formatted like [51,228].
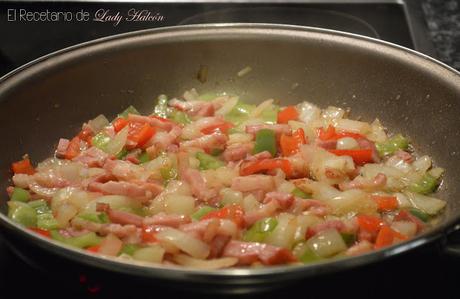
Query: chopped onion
[354,126]
[407,228]
[422,164]
[152,254]
[327,243]
[403,200]
[98,123]
[116,202]
[118,142]
[284,233]
[185,242]
[250,203]
[239,138]
[64,214]
[429,205]
[332,113]
[228,106]
[43,191]
[303,223]
[260,108]
[191,95]
[179,204]
[436,172]
[347,143]
[353,201]
[308,112]
[111,245]
[212,264]
[377,133]
[230,196]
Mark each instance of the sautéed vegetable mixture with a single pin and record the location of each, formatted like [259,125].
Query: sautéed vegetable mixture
[212,182]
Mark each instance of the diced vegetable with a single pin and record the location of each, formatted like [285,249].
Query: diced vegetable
[420,214]
[369,223]
[386,203]
[348,238]
[179,117]
[47,221]
[265,141]
[22,213]
[129,110]
[143,158]
[98,123]
[291,144]
[94,217]
[222,127]
[309,257]
[140,133]
[287,114]
[23,166]
[100,140]
[45,233]
[40,206]
[73,149]
[168,173]
[116,145]
[239,113]
[129,249]
[185,242]
[119,123]
[327,243]
[82,241]
[208,161]
[161,108]
[299,193]
[260,230]
[202,212]
[269,114]
[392,145]
[426,185]
[20,194]
[152,254]
[360,156]
[234,213]
[387,236]
[427,204]
[122,154]
[257,166]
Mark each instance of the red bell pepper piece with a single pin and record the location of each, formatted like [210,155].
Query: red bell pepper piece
[233,212]
[369,223]
[40,231]
[386,203]
[23,166]
[387,236]
[140,133]
[94,248]
[257,166]
[360,156]
[331,134]
[148,234]
[222,127]
[119,123]
[86,134]
[287,114]
[291,144]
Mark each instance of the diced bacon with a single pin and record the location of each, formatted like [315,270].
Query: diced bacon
[249,253]
[172,148]
[278,128]
[217,245]
[92,157]
[62,147]
[266,210]
[167,220]
[326,144]
[126,232]
[198,185]
[405,156]
[188,106]
[120,217]
[299,166]
[285,200]
[162,140]
[209,228]
[122,170]
[237,152]
[154,122]
[377,183]
[206,109]
[50,179]
[207,142]
[367,144]
[360,248]
[132,156]
[142,190]
[253,182]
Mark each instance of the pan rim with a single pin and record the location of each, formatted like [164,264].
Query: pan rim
[168,272]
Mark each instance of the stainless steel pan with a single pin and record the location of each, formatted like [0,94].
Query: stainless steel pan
[411,93]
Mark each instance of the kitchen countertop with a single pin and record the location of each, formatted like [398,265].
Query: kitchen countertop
[443,20]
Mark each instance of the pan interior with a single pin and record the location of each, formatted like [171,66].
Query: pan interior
[409,93]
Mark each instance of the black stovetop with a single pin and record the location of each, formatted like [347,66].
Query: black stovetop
[421,273]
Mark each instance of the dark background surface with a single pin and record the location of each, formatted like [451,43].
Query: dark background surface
[424,273]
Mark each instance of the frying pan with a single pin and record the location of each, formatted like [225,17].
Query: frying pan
[409,92]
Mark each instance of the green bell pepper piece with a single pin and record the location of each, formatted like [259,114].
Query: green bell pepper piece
[22,213]
[348,238]
[143,158]
[392,145]
[265,141]
[426,185]
[239,113]
[83,241]
[216,152]
[179,117]
[208,161]
[270,114]
[95,217]
[260,230]
[129,249]
[20,194]
[309,257]
[100,140]
[202,212]
[122,154]
[299,193]
[47,221]
[420,214]
[40,206]
[129,110]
